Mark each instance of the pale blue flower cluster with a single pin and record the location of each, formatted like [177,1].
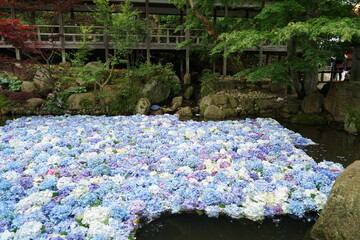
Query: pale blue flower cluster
[87,177]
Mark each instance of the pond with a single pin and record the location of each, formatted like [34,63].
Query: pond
[332,145]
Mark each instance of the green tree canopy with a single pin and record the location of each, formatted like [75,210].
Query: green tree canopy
[314,30]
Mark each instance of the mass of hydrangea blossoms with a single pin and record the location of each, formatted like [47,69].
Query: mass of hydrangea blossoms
[88,177]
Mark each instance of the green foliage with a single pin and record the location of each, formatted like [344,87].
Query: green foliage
[79,58]
[57,103]
[4,102]
[10,82]
[162,73]
[97,73]
[277,72]
[209,84]
[125,29]
[126,100]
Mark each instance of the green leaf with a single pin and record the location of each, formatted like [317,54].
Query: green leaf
[199,212]
[221,206]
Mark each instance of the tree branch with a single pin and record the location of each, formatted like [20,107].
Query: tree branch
[208,25]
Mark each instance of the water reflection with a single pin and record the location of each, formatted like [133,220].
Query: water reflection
[193,227]
[333,145]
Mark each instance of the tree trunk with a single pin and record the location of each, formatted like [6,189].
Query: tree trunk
[294,75]
[355,68]
[310,81]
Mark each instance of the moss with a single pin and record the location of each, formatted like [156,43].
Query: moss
[309,119]
[352,121]
[202,110]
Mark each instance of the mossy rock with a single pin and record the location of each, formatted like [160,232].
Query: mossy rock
[352,121]
[340,218]
[309,119]
[202,109]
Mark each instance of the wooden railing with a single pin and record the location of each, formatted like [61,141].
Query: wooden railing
[160,38]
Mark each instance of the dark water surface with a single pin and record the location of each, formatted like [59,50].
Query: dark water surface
[332,145]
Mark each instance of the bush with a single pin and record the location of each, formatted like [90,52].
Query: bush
[163,73]
[209,84]
[4,101]
[18,97]
[126,100]
[10,82]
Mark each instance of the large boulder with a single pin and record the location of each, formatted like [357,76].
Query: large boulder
[34,103]
[341,97]
[205,101]
[312,103]
[27,86]
[213,111]
[292,107]
[42,82]
[189,92]
[81,101]
[175,104]
[220,100]
[268,104]
[184,112]
[340,218]
[156,91]
[142,106]
[352,122]
[247,105]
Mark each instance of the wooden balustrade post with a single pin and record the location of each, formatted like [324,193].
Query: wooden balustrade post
[17,51]
[225,49]
[62,36]
[187,48]
[261,53]
[148,35]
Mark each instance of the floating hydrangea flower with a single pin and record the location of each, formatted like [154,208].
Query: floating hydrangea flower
[88,177]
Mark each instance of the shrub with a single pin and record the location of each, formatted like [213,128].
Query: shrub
[163,73]
[126,100]
[10,82]
[209,84]
[18,97]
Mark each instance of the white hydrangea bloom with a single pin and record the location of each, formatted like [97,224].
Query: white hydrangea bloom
[30,230]
[253,210]
[35,200]
[64,182]
[98,214]
[100,229]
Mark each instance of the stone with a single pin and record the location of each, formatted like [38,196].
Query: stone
[247,105]
[266,104]
[27,86]
[277,88]
[65,65]
[220,100]
[81,101]
[226,85]
[340,218]
[341,97]
[177,102]
[230,113]
[207,100]
[309,119]
[187,79]
[213,111]
[233,102]
[188,92]
[185,111]
[312,103]
[142,106]
[34,102]
[292,107]
[156,91]
[352,122]
[42,82]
